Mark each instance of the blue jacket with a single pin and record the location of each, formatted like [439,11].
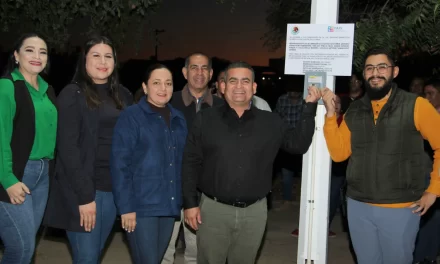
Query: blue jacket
[146,161]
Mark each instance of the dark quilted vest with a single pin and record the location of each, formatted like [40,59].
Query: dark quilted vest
[386,164]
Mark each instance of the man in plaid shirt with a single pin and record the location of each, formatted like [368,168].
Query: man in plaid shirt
[289,108]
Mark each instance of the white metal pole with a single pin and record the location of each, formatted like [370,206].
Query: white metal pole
[315,183]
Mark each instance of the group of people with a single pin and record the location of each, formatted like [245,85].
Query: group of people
[191,158]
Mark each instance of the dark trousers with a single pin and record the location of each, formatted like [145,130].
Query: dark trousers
[230,233]
[87,246]
[150,239]
[335,196]
[428,238]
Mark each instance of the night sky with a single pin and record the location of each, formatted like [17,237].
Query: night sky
[203,25]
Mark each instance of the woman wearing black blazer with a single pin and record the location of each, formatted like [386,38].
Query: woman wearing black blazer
[28,127]
[81,199]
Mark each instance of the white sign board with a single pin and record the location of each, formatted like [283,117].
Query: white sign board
[319,48]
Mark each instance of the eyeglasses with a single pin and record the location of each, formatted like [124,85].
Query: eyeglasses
[381,68]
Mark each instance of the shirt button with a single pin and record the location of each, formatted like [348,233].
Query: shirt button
[240,135]
[171,164]
[172,198]
[239,167]
[241,150]
[171,181]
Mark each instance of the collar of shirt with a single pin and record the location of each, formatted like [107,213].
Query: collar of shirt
[229,112]
[188,98]
[42,84]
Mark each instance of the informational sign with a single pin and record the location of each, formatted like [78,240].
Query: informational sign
[319,48]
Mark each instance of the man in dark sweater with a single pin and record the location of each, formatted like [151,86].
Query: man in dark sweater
[229,156]
[194,97]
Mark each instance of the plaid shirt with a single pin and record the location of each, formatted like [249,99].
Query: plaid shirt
[288,111]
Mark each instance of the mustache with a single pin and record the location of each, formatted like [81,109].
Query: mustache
[372,77]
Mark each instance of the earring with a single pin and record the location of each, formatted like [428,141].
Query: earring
[16,62]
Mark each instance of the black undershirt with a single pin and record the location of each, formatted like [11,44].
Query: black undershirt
[108,115]
[165,112]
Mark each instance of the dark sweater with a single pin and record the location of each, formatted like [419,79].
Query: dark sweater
[108,114]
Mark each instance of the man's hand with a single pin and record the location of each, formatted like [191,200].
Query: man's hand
[87,214]
[329,101]
[128,222]
[424,203]
[314,95]
[193,218]
[17,193]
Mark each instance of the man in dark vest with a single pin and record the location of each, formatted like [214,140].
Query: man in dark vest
[194,97]
[383,134]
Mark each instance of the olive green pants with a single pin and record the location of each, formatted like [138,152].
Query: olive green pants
[230,233]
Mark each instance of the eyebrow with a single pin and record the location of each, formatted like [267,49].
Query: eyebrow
[376,64]
[242,79]
[32,47]
[203,65]
[108,53]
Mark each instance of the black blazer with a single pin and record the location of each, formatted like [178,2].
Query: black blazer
[77,142]
[23,131]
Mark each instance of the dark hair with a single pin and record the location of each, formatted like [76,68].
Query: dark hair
[198,54]
[220,72]
[86,83]
[380,51]
[357,75]
[151,69]
[239,64]
[11,65]
[138,95]
[435,82]
[292,83]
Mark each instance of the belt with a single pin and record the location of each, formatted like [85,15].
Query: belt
[240,204]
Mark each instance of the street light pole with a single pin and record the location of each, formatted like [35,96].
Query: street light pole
[156,47]
[315,183]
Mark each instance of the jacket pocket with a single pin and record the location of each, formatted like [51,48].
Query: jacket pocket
[149,191]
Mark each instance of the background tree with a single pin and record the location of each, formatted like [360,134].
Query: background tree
[55,18]
[405,26]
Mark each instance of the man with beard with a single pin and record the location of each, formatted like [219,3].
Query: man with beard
[383,133]
[194,97]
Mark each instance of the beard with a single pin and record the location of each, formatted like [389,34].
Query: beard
[377,93]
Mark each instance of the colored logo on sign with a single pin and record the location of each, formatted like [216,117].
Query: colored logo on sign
[295,30]
[334,29]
